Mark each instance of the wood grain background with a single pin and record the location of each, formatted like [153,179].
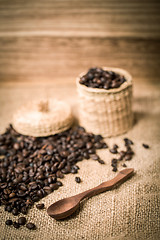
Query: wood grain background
[53,41]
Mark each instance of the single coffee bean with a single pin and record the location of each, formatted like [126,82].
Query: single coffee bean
[114,151]
[114,169]
[15,212]
[22,221]
[16,225]
[128,142]
[31,226]
[95,157]
[124,165]
[145,145]
[128,157]
[8,222]
[59,183]
[40,206]
[77,179]
[101,161]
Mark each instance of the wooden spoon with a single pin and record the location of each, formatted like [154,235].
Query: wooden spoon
[65,207]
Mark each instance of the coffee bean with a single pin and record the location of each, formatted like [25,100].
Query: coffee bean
[22,221]
[128,142]
[59,183]
[40,206]
[15,212]
[124,165]
[95,157]
[8,222]
[114,169]
[114,151]
[145,145]
[122,154]
[128,157]
[31,226]
[16,225]
[77,179]
[101,161]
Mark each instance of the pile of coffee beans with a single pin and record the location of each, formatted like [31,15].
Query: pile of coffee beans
[99,78]
[30,167]
[21,222]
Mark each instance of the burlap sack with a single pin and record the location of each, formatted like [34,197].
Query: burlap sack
[42,118]
[106,112]
[130,212]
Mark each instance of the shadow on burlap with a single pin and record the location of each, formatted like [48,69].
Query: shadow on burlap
[130,211]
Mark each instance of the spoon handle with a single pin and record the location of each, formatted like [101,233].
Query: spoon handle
[121,177]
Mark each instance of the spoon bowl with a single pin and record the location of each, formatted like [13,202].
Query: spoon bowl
[66,205]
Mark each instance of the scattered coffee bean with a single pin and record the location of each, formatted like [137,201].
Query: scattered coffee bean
[40,206]
[145,145]
[16,225]
[100,78]
[128,142]
[114,150]
[77,179]
[8,222]
[114,169]
[124,165]
[59,183]
[22,221]
[31,226]
[95,157]
[101,161]
[128,157]
[15,211]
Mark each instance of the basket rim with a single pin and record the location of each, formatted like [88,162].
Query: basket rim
[120,71]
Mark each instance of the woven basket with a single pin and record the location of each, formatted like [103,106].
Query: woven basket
[43,118]
[106,112]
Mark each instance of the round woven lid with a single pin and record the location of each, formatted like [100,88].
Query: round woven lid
[43,118]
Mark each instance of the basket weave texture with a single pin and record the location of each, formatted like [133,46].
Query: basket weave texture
[43,118]
[106,112]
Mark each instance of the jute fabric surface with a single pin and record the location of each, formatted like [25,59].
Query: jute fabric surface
[128,212]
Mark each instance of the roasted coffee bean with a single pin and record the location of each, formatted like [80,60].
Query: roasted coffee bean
[124,165]
[22,221]
[122,154]
[95,157]
[100,78]
[8,222]
[115,146]
[77,179]
[114,151]
[40,206]
[9,208]
[145,145]
[128,157]
[16,225]
[59,183]
[101,161]
[114,162]
[15,212]
[31,226]
[114,169]
[128,142]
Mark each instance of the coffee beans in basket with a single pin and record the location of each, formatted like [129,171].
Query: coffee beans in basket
[30,167]
[100,78]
